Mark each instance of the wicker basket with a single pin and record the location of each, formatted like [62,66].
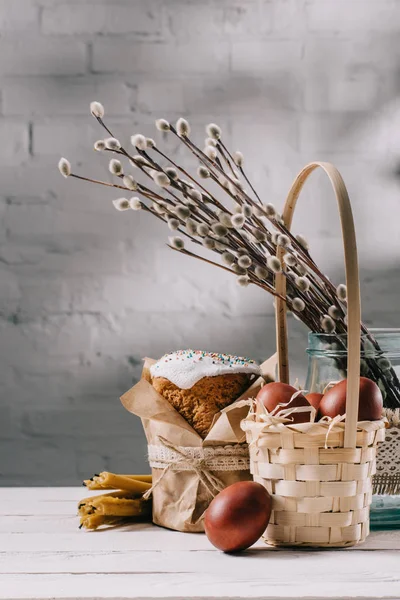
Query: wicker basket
[319,474]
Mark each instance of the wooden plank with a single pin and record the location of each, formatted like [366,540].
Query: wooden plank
[64,535]
[35,507]
[252,562]
[42,501]
[38,524]
[111,540]
[43,555]
[12,494]
[59,525]
[271,581]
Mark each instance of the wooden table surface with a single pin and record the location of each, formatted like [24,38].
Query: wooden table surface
[44,555]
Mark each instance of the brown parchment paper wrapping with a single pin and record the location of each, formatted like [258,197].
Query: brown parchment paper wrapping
[180,499]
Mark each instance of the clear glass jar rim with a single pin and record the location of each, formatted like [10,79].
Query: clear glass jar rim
[376,331]
[387,338]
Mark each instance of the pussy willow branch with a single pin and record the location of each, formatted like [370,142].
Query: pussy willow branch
[328,292]
[250,239]
[209,164]
[242,242]
[211,262]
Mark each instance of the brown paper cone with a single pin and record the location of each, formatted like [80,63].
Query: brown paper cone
[180,499]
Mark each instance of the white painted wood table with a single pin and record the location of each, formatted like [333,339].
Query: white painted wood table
[44,555]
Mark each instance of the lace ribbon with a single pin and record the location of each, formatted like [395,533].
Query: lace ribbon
[203,461]
[387,477]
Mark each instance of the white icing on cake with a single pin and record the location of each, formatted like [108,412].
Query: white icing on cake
[185,368]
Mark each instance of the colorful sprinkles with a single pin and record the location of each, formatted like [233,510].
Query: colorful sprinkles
[217,358]
[185,368]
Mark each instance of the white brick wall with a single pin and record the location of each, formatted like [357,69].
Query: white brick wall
[93,18]
[44,57]
[14,148]
[335,16]
[170,59]
[51,96]
[86,292]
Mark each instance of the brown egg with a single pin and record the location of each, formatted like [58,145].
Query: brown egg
[276,393]
[238,516]
[370,404]
[314,399]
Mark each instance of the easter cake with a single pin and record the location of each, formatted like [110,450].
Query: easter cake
[199,384]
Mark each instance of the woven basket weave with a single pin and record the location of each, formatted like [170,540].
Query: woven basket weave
[318,474]
[320,496]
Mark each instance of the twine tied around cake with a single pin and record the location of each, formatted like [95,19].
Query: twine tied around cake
[167,456]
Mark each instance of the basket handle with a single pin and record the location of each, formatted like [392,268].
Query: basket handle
[353,293]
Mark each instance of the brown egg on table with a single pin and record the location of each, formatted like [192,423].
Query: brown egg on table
[314,398]
[276,393]
[370,401]
[238,516]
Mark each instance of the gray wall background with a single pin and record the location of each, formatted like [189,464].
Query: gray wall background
[86,292]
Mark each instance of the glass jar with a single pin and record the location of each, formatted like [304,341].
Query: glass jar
[380,361]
